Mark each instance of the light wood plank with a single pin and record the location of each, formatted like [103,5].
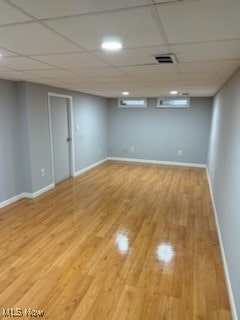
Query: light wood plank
[122,241]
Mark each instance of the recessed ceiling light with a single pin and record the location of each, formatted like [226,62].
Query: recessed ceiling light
[111,45]
[174,92]
[125,93]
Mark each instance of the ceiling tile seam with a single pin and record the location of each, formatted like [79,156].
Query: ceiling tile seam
[33,59]
[203,42]
[211,61]
[94,13]
[54,53]
[203,72]
[49,64]
[159,25]
[11,51]
[150,3]
[39,22]
[158,21]
[41,77]
[15,23]
[164,35]
[53,30]
[81,47]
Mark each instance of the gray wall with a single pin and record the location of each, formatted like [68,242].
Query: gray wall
[8,140]
[23,152]
[224,171]
[158,134]
[24,135]
[89,113]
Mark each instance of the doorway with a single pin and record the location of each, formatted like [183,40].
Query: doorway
[61,136]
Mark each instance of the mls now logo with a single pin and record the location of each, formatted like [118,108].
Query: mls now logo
[19,312]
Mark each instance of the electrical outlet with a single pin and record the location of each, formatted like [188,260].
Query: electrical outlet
[180,153]
[132,149]
[43,172]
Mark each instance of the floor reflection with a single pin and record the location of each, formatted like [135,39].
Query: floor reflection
[165,252]
[122,242]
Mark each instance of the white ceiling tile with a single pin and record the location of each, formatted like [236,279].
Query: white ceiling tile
[56,74]
[52,82]
[207,51]
[150,70]
[73,60]
[203,92]
[83,83]
[128,57]
[206,76]
[8,14]
[98,72]
[117,78]
[101,93]
[43,9]
[172,85]
[166,77]
[5,69]
[133,27]
[213,67]
[144,93]
[22,63]
[204,65]
[202,84]
[32,38]
[16,75]
[164,1]
[198,21]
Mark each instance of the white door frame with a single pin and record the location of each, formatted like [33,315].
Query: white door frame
[71,132]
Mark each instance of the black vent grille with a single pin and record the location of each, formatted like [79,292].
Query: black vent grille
[165,58]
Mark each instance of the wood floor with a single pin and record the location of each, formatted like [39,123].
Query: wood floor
[123,241]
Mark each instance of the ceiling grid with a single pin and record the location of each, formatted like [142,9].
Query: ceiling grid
[58,43]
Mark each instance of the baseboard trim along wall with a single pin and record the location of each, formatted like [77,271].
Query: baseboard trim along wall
[227,277]
[47,188]
[78,173]
[10,201]
[26,195]
[169,163]
[39,192]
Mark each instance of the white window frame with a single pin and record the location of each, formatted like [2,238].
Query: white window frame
[173,106]
[133,106]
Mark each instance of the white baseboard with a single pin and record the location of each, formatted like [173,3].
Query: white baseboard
[47,188]
[10,201]
[26,195]
[89,167]
[169,163]
[39,192]
[227,277]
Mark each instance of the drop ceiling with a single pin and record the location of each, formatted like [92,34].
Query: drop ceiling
[58,43]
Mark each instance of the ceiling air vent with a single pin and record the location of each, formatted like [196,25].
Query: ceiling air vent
[166,58]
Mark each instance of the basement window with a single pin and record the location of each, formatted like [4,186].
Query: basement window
[132,103]
[177,102]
